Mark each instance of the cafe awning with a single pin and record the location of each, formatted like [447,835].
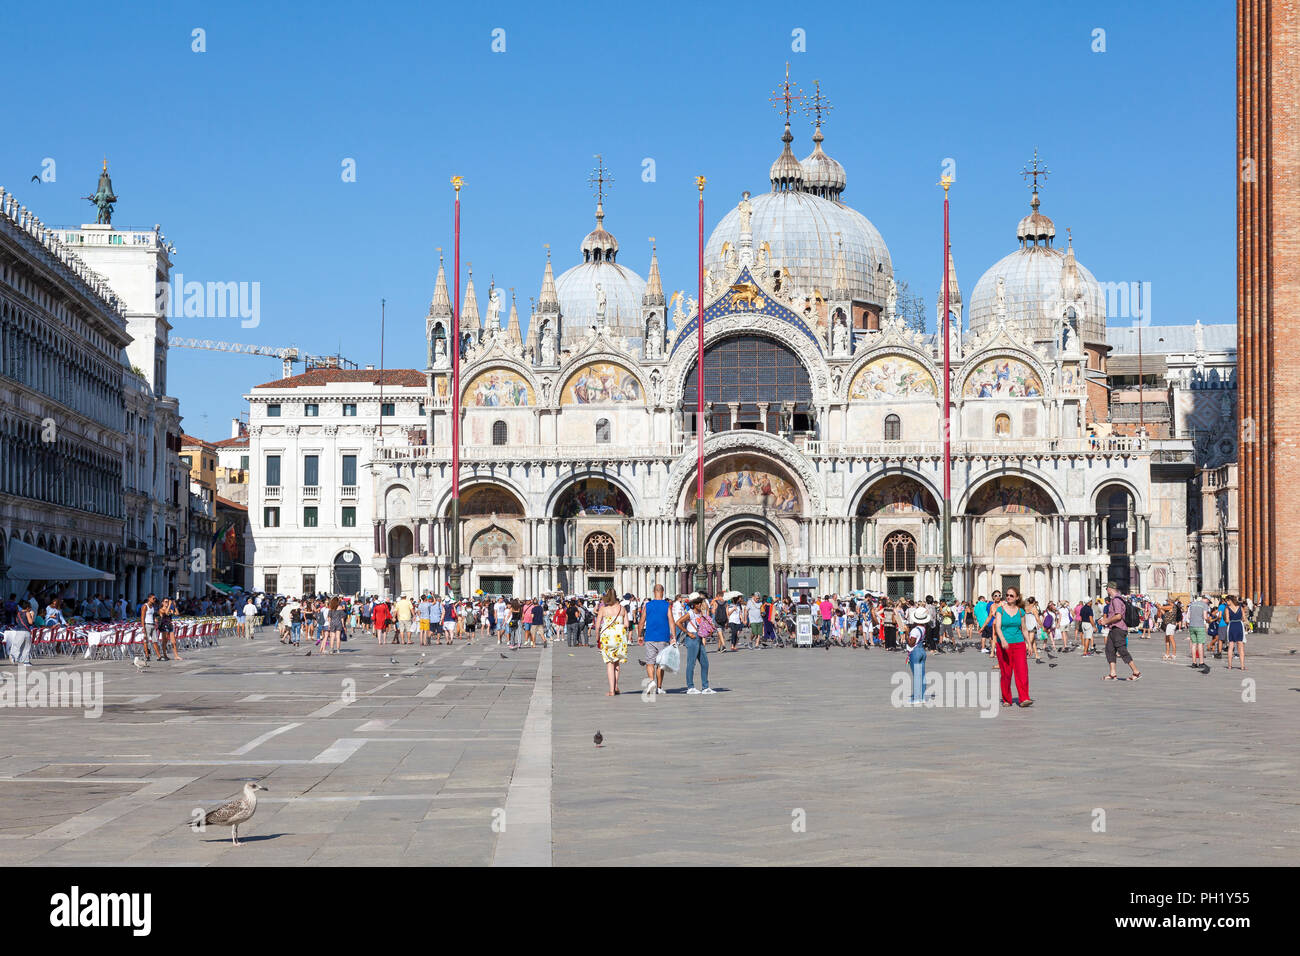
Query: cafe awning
[30,563]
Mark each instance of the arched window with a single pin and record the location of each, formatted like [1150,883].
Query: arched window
[599,553]
[900,553]
[1002,426]
[602,430]
[499,433]
[893,428]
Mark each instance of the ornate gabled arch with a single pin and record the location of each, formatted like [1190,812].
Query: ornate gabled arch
[747,441]
[1057,499]
[505,364]
[578,362]
[1002,351]
[729,326]
[885,350]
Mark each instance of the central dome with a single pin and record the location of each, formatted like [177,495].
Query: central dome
[806,234]
[807,226]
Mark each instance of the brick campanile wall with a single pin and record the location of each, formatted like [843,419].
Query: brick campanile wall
[1268,297]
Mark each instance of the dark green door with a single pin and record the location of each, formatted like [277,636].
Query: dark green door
[899,586]
[749,575]
[497,584]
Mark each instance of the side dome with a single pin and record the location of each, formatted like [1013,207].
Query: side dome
[1038,283]
[578,295]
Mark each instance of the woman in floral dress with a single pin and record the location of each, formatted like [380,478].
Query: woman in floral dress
[611,626]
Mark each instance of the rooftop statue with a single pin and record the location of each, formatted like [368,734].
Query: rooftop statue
[103,198]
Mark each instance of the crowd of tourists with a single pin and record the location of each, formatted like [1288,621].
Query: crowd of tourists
[677,633]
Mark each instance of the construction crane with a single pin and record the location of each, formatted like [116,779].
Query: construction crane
[288,355]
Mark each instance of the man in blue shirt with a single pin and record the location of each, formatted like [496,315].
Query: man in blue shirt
[425,613]
[656,633]
[981,621]
[437,611]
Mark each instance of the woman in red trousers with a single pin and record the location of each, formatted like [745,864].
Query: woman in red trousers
[1009,634]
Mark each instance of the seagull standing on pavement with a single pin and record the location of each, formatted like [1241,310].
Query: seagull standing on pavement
[139,664]
[237,811]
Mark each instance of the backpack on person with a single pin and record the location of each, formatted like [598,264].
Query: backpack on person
[1132,615]
[295,616]
[704,627]
[720,614]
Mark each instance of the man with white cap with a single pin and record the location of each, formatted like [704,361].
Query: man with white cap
[918,618]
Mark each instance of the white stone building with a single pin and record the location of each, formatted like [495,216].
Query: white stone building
[312,438]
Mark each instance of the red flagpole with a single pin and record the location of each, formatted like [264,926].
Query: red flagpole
[946,584]
[456,182]
[701,580]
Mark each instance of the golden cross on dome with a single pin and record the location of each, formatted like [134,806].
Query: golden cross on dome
[1035,171]
[783,99]
[598,178]
[819,103]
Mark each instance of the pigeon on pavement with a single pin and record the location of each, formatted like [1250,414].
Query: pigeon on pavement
[598,739]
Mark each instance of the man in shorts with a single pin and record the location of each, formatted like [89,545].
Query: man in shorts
[1117,633]
[655,630]
[437,630]
[405,613]
[754,617]
[1086,628]
[1198,613]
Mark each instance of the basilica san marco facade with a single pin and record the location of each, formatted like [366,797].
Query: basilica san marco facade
[823,439]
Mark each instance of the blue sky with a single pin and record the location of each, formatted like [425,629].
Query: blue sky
[237,151]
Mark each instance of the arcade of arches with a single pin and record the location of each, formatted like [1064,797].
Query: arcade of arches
[755,518]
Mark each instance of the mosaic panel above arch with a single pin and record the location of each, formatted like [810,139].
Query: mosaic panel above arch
[897,495]
[589,497]
[498,387]
[602,383]
[1010,495]
[892,377]
[746,483]
[1003,378]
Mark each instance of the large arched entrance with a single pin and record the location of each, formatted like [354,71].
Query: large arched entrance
[588,542]
[1116,516]
[747,554]
[1010,537]
[897,537]
[753,382]
[494,535]
[347,573]
[752,506]
[401,544]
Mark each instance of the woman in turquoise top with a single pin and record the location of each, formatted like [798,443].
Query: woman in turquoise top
[1009,643]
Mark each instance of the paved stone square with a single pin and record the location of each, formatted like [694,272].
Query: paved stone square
[801,757]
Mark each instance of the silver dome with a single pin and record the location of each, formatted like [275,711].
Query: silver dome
[1033,291]
[576,290]
[805,232]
